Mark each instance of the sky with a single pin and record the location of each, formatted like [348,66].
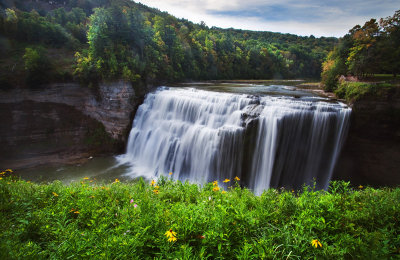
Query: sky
[301,17]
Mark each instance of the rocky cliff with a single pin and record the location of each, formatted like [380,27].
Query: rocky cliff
[371,155]
[63,123]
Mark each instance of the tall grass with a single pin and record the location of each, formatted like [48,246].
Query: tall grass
[137,220]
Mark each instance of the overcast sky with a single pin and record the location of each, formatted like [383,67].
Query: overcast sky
[301,17]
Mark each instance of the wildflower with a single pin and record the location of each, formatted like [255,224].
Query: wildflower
[77,212]
[315,243]
[170,173]
[55,194]
[86,178]
[172,239]
[156,191]
[1,178]
[227,180]
[72,210]
[157,187]
[116,181]
[135,206]
[237,178]
[9,170]
[216,188]
[131,201]
[171,235]
[2,173]
[360,187]
[223,192]
[215,183]
[152,182]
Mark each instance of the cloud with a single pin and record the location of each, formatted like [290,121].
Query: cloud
[302,17]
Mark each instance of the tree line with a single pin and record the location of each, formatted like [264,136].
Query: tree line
[122,39]
[373,48]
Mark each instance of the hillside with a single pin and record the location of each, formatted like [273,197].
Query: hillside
[99,40]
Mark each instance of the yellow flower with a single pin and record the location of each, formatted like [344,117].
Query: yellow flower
[156,191]
[55,194]
[2,173]
[227,180]
[170,233]
[172,239]
[86,178]
[77,212]
[360,187]
[9,170]
[1,178]
[116,180]
[237,178]
[152,182]
[170,173]
[223,192]
[157,187]
[215,183]
[315,243]
[216,188]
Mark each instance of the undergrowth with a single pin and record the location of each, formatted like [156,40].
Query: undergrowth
[353,91]
[172,220]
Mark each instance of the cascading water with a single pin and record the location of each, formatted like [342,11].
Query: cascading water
[267,141]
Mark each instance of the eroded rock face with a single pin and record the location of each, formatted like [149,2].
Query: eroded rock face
[64,123]
[371,155]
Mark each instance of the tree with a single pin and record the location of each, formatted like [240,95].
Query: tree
[37,66]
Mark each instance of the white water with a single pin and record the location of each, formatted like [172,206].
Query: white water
[267,141]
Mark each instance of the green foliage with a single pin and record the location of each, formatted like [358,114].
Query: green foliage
[132,220]
[37,66]
[352,91]
[367,50]
[124,40]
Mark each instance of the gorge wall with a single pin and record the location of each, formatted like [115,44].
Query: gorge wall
[64,123]
[371,155]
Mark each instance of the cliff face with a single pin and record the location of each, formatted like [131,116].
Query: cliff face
[371,155]
[64,123]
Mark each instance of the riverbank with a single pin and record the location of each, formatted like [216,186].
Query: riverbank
[171,220]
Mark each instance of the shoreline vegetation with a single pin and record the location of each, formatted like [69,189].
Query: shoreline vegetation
[169,219]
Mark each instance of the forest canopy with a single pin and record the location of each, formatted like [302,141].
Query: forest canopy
[373,48]
[125,40]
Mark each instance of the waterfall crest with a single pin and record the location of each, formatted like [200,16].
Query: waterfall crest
[266,141]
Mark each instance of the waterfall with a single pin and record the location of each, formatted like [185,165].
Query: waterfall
[267,141]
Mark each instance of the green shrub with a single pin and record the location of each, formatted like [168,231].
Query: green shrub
[37,66]
[352,91]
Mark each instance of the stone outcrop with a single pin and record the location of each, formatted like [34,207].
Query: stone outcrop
[64,123]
